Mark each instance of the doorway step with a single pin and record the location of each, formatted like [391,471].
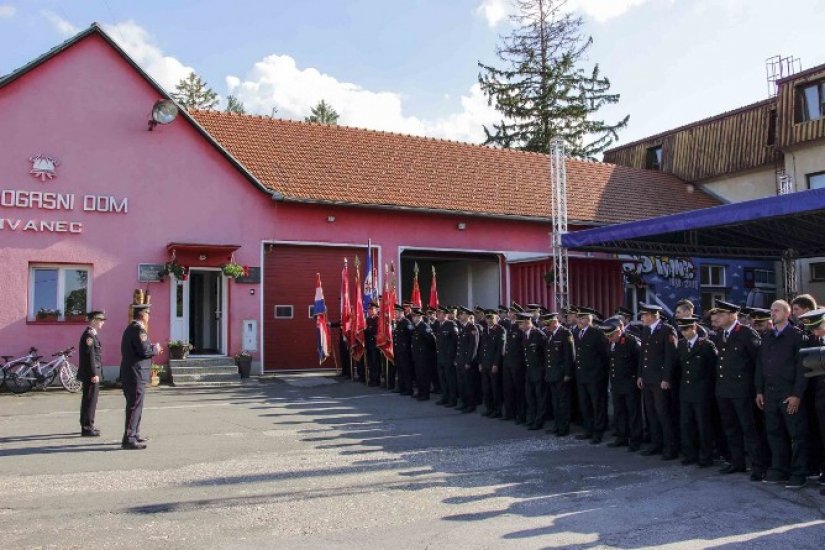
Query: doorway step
[197,372]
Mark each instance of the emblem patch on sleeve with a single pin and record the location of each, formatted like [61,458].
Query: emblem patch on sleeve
[90,341]
[143,336]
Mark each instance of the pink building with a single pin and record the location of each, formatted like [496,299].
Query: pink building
[92,204]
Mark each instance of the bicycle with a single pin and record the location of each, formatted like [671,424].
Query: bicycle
[10,363]
[24,377]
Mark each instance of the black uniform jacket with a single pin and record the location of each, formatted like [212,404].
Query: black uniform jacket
[778,368]
[697,367]
[423,344]
[467,349]
[737,361]
[534,342]
[90,358]
[592,361]
[136,355]
[491,346]
[559,355]
[402,340]
[624,364]
[446,340]
[658,354]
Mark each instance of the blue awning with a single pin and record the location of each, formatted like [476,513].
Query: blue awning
[762,228]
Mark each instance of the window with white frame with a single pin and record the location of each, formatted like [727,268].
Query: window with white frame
[818,271]
[59,292]
[712,275]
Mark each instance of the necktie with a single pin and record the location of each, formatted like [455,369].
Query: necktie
[725,337]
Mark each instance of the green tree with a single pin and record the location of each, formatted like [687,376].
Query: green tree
[234,105]
[543,92]
[193,93]
[323,113]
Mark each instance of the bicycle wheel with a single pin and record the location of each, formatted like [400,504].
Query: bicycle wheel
[17,380]
[68,377]
[44,381]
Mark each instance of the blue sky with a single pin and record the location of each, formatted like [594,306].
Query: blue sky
[410,65]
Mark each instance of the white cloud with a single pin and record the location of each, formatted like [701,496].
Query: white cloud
[61,25]
[277,81]
[7,11]
[497,11]
[141,47]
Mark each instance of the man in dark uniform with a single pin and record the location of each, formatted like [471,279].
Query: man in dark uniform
[135,365]
[515,405]
[89,370]
[801,305]
[402,351]
[628,325]
[446,344]
[434,319]
[625,352]
[780,385]
[654,379]
[372,354]
[814,322]
[697,363]
[559,362]
[738,347]
[592,366]
[491,355]
[535,387]
[466,359]
[423,352]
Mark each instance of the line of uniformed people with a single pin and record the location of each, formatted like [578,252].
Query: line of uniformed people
[735,391]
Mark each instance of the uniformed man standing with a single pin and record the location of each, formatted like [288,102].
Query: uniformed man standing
[515,405]
[738,347]
[402,351]
[491,355]
[535,386]
[814,321]
[625,353]
[89,370]
[654,379]
[446,344]
[697,364]
[559,363]
[372,354]
[423,352]
[780,385]
[135,365]
[592,366]
[466,359]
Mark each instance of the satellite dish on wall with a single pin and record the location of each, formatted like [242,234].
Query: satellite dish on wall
[163,112]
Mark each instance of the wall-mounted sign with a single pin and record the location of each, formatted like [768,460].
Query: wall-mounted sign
[253,278]
[149,273]
[43,167]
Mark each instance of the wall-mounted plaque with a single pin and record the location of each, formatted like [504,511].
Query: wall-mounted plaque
[149,273]
[253,278]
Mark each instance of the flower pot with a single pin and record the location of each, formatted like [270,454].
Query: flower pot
[177,352]
[244,366]
[154,380]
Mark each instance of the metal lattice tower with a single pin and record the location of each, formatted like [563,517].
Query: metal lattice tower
[558,211]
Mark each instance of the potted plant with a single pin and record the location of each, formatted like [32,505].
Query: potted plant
[173,268]
[243,359]
[74,316]
[157,370]
[179,349]
[46,314]
[234,270]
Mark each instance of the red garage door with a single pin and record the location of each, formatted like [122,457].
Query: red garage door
[289,291]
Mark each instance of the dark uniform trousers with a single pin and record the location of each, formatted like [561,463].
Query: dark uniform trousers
[423,352]
[658,354]
[779,374]
[818,384]
[446,347]
[740,419]
[88,404]
[89,366]
[373,354]
[136,353]
[467,365]
[535,386]
[513,382]
[591,379]
[559,362]
[491,352]
[627,398]
[698,373]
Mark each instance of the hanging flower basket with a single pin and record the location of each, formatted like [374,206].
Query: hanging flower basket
[235,270]
[172,267]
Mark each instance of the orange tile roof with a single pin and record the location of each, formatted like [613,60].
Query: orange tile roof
[338,164]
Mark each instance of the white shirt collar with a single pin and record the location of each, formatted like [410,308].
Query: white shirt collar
[692,341]
[655,325]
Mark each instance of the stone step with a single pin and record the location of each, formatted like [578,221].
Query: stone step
[217,384]
[202,362]
[185,378]
[216,369]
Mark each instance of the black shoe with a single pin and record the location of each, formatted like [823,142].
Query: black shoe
[775,478]
[650,451]
[669,456]
[535,427]
[618,443]
[597,439]
[488,412]
[687,461]
[821,480]
[521,420]
[705,463]
[731,469]
[404,393]
[393,390]
[509,417]
[141,439]
[497,414]
[796,483]
[582,437]
[453,404]
[468,410]
[632,448]
[423,398]
[90,432]
[133,446]
[554,430]
[441,401]
[757,476]
[563,433]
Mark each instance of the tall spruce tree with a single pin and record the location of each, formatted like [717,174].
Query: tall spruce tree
[193,93]
[543,92]
[234,105]
[323,113]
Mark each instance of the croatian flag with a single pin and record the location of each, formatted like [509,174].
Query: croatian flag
[370,280]
[322,329]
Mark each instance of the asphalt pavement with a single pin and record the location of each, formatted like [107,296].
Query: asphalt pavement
[308,461]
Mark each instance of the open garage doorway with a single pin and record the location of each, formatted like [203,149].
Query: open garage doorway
[463,278]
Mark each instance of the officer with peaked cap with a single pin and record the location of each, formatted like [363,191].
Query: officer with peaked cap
[738,347]
[402,351]
[89,371]
[466,359]
[625,351]
[423,353]
[814,322]
[446,344]
[373,354]
[536,388]
[592,367]
[655,377]
[515,405]
[135,366]
[491,355]
[559,363]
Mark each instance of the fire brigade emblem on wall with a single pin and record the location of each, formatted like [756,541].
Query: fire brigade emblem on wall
[43,167]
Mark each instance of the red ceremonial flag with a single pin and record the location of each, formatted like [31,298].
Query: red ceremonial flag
[433,292]
[324,341]
[415,299]
[358,342]
[346,306]
[384,339]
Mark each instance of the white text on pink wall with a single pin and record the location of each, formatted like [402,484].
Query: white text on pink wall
[50,201]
